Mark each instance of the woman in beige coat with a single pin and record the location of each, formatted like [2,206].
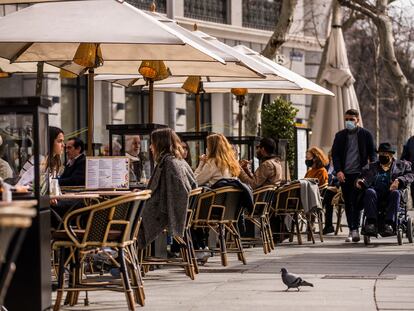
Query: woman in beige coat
[220,161]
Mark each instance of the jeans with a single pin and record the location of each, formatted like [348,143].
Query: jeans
[350,194]
[373,201]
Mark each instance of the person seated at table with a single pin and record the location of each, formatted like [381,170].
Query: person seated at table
[6,171]
[74,172]
[49,165]
[383,181]
[187,153]
[170,183]
[219,162]
[269,171]
[316,161]
[136,157]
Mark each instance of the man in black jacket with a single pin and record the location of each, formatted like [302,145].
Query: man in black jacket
[352,149]
[74,172]
[383,181]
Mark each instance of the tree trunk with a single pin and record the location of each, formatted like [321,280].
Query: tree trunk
[275,42]
[404,90]
[399,81]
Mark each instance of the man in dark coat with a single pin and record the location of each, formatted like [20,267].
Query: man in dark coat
[383,181]
[74,172]
[352,149]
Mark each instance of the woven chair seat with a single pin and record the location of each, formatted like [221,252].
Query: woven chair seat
[61,235]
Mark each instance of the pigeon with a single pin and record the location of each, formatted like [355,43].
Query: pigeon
[293,281]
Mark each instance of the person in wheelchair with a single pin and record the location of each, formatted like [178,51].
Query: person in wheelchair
[383,182]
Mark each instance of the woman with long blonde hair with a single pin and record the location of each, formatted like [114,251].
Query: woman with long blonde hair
[220,161]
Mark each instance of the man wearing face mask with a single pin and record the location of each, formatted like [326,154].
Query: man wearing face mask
[383,181]
[352,149]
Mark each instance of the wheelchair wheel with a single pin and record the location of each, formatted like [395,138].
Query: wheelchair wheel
[399,237]
[410,229]
[367,239]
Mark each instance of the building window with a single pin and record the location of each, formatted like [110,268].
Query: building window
[74,105]
[136,105]
[146,4]
[205,118]
[261,14]
[208,10]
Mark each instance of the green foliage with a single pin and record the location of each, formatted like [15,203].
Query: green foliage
[278,122]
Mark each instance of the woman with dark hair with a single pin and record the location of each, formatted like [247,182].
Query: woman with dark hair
[316,160]
[171,182]
[51,164]
[186,153]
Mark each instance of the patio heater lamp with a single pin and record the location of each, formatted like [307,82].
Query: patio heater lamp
[89,55]
[4,74]
[194,85]
[240,94]
[153,70]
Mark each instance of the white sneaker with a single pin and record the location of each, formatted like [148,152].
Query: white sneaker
[355,236]
[349,238]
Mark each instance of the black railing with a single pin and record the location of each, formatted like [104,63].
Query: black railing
[261,14]
[208,10]
[146,4]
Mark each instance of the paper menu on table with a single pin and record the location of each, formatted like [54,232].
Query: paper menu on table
[107,173]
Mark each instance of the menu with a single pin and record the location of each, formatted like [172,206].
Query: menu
[107,173]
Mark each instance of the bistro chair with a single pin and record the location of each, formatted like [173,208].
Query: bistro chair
[289,208]
[339,208]
[259,216]
[109,224]
[187,257]
[219,210]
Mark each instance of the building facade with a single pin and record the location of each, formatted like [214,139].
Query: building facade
[248,22]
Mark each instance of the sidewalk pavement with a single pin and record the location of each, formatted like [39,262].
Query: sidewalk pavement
[346,276]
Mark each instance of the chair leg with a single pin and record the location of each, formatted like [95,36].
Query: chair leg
[309,228]
[191,250]
[320,225]
[136,279]
[222,240]
[298,233]
[270,233]
[263,233]
[61,280]
[239,245]
[125,280]
[338,219]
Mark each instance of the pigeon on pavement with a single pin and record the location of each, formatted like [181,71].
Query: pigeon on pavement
[293,281]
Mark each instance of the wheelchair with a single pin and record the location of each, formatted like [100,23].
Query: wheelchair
[404,224]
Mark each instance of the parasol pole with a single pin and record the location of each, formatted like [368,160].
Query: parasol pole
[151,102]
[197,111]
[240,99]
[39,78]
[91,89]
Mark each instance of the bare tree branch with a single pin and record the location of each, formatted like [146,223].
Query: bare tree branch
[363,8]
[278,37]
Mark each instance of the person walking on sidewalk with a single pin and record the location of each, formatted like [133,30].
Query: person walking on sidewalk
[352,149]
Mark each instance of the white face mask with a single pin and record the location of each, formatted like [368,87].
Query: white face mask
[350,125]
